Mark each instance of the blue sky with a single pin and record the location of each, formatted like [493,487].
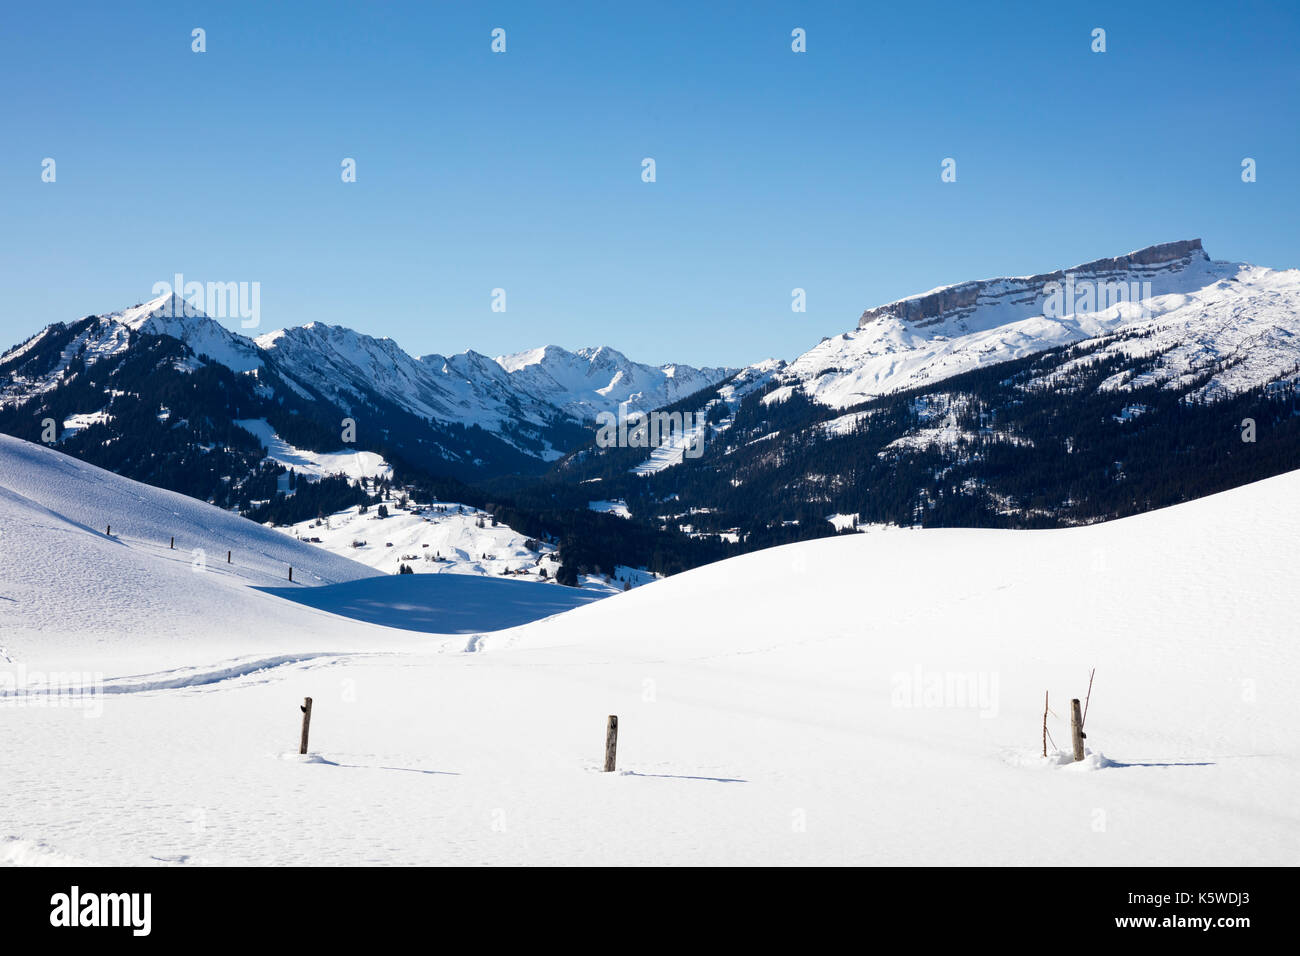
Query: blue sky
[522,170]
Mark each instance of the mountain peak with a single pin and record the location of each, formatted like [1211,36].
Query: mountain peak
[517,360]
[603,355]
[171,315]
[169,306]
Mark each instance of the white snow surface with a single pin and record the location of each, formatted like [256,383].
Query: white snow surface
[799,705]
[128,595]
[316,464]
[126,598]
[420,534]
[417,535]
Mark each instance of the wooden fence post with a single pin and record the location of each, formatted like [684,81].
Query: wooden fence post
[611,743]
[1076,729]
[306,723]
[291,573]
[1046,695]
[172,546]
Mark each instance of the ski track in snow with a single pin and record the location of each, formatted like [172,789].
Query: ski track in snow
[185,678]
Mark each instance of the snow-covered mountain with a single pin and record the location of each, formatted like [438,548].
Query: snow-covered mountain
[1028,400]
[171,315]
[42,362]
[534,402]
[527,389]
[1192,311]
[593,380]
[1091,392]
[350,368]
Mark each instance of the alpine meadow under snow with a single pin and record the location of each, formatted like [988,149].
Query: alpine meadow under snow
[871,698]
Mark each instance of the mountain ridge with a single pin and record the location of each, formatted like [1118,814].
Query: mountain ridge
[531,406]
[982,403]
[994,411]
[956,328]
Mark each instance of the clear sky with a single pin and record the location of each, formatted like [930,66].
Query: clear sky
[523,170]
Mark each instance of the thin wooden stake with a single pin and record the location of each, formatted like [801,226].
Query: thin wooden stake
[1076,729]
[227,557]
[306,723]
[291,572]
[173,544]
[1092,673]
[611,743]
[1046,694]
[108,532]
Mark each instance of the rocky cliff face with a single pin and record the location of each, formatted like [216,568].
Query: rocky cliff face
[1026,295]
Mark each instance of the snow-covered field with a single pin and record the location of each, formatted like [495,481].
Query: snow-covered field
[444,538]
[617,507]
[862,699]
[416,536]
[316,464]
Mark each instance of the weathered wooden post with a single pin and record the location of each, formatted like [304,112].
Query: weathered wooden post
[172,546]
[291,573]
[1076,729]
[306,723]
[1046,695]
[611,743]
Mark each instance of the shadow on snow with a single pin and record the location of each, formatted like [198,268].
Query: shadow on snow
[439,603]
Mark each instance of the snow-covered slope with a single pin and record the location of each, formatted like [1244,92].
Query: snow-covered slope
[88,572]
[438,538]
[863,699]
[672,449]
[1197,312]
[445,538]
[86,558]
[317,464]
[95,498]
